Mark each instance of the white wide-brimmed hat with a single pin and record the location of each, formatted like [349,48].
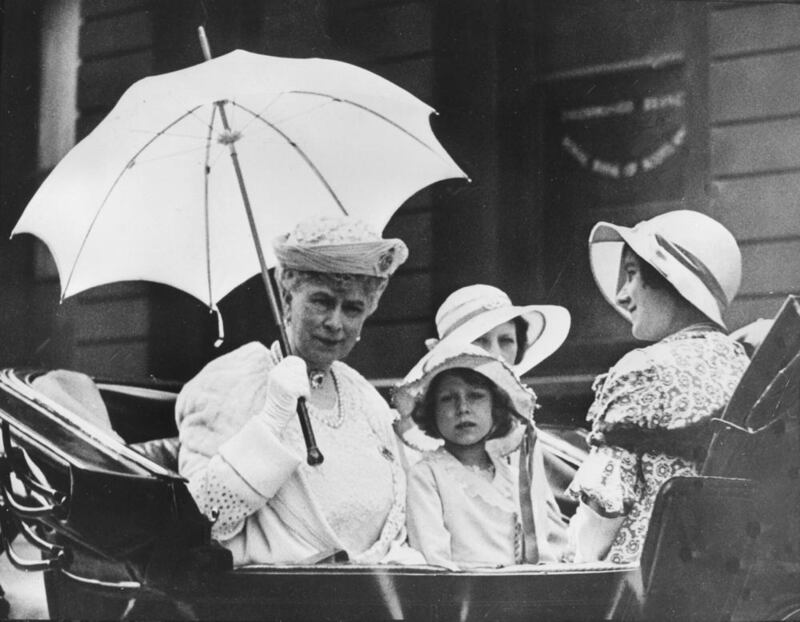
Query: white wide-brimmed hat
[694,252]
[472,311]
[409,395]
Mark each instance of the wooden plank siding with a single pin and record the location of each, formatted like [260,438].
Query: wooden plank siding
[658,45]
[110,325]
[394,40]
[754,114]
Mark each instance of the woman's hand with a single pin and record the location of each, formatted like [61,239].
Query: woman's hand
[287,383]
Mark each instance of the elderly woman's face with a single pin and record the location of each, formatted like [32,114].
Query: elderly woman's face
[325,322]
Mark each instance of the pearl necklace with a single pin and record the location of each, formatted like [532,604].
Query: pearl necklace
[324,415]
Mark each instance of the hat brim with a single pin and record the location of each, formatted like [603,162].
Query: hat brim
[606,242]
[548,327]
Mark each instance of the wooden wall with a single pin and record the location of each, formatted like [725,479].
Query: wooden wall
[574,56]
[105,331]
[486,67]
[395,40]
[20,337]
[754,109]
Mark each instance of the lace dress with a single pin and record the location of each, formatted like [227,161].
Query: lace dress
[662,391]
[354,485]
[270,506]
[458,518]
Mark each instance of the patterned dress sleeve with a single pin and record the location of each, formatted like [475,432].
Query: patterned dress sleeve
[631,393]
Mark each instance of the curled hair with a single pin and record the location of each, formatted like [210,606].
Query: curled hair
[502,411]
[521,329]
[650,276]
[290,280]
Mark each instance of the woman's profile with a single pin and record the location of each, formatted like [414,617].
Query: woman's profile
[672,277]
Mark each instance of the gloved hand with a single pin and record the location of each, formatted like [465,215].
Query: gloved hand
[287,382]
[590,534]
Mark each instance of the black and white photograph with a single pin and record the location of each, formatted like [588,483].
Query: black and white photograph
[399,310]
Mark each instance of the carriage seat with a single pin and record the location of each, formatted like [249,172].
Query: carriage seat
[136,412]
[162,451]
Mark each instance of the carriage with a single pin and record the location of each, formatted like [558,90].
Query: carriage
[121,537]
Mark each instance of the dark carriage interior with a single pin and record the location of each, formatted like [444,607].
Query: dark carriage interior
[145,419]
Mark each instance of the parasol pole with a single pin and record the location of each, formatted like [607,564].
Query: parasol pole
[313,454]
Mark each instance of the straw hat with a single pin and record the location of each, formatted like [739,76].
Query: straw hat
[409,396]
[694,252]
[341,244]
[472,311]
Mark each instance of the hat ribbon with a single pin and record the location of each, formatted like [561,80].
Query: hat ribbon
[696,267]
[483,308]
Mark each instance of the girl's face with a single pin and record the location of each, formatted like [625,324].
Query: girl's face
[463,411]
[500,342]
[652,310]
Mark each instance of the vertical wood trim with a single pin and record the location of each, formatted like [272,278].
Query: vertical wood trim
[695,16]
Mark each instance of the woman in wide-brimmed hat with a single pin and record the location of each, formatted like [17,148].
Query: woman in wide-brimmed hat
[523,336]
[242,447]
[464,504]
[672,277]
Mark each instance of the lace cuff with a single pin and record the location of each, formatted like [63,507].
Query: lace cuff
[225,498]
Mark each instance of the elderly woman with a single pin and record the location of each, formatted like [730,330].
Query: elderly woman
[672,277]
[242,447]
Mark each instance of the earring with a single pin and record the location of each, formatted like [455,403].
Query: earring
[358,338]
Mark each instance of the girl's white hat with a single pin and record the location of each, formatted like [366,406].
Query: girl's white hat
[472,311]
[409,396]
[694,252]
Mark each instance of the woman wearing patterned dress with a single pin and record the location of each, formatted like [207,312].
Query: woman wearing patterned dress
[242,448]
[671,277]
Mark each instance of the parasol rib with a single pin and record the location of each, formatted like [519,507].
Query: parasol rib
[300,151]
[313,454]
[206,172]
[130,163]
[372,112]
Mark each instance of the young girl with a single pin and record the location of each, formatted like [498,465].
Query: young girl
[463,507]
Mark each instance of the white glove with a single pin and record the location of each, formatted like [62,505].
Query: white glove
[287,382]
[591,535]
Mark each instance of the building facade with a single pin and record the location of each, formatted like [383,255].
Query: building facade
[563,113]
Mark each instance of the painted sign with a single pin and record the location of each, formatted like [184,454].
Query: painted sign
[617,138]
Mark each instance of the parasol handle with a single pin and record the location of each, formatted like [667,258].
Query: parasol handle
[313,454]
[201,33]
